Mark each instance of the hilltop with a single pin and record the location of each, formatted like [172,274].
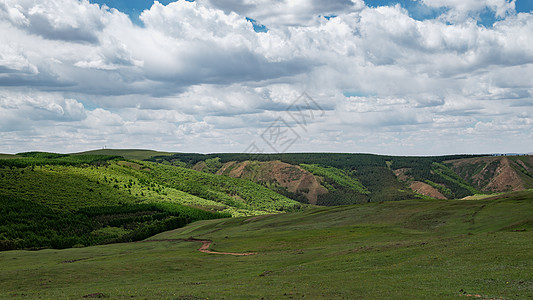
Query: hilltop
[139,154]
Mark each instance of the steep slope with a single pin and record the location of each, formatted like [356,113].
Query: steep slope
[425,189]
[306,183]
[497,173]
[279,176]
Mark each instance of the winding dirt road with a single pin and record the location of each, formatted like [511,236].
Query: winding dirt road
[204,248]
[207,243]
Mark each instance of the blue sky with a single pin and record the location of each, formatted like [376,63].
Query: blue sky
[424,78]
[416,9]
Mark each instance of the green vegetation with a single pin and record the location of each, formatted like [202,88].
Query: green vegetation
[46,199]
[414,249]
[233,192]
[345,161]
[122,182]
[32,159]
[441,188]
[26,224]
[137,154]
[336,176]
[480,173]
[212,165]
[373,172]
[450,176]
[343,187]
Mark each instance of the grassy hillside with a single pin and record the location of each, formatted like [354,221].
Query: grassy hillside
[233,192]
[138,154]
[45,198]
[27,224]
[416,249]
[32,159]
[113,182]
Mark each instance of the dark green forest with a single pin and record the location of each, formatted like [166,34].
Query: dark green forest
[30,225]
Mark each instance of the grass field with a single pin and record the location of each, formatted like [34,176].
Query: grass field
[415,249]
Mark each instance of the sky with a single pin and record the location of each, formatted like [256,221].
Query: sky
[410,77]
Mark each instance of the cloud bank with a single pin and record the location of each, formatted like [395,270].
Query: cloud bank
[197,76]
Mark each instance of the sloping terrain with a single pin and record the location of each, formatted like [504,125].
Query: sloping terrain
[348,178]
[282,177]
[425,189]
[306,183]
[497,173]
[46,196]
[415,249]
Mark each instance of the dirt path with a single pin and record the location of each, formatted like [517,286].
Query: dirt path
[207,243]
[204,248]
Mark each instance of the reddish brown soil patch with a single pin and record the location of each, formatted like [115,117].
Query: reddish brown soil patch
[204,248]
[426,189]
[492,174]
[292,177]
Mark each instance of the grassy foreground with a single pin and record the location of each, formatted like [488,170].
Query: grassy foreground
[419,249]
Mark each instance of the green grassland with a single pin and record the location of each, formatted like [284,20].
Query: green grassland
[412,249]
[8,156]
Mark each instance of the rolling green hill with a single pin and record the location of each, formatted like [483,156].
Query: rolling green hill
[414,249]
[42,192]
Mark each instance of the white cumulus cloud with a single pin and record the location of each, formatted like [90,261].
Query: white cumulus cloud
[196,75]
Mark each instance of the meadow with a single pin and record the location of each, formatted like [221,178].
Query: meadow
[411,249]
